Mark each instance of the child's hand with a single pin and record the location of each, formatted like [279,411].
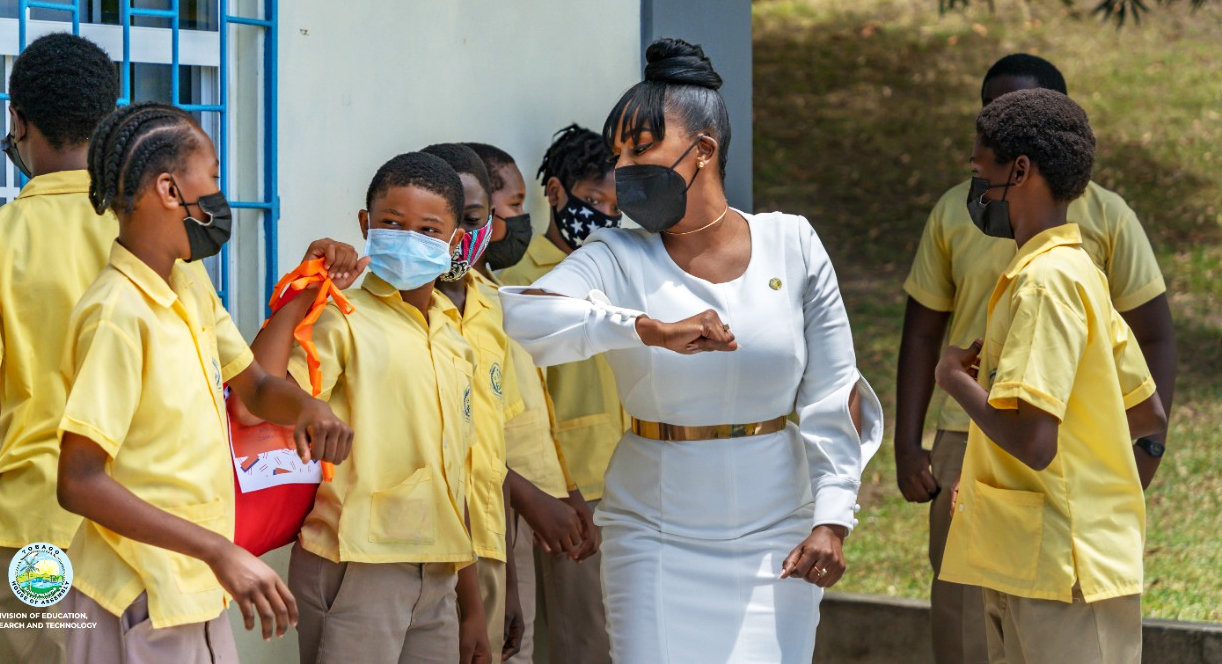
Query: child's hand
[343,263]
[473,645]
[320,435]
[589,532]
[256,588]
[957,361]
[556,524]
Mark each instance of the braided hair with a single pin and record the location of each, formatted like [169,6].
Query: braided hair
[576,154]
[132,145]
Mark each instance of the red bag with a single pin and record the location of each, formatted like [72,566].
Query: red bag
[281,488]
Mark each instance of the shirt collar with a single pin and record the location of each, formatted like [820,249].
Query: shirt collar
[544,253]
[1042,243]
[439,303]
[61,182]
[143,276]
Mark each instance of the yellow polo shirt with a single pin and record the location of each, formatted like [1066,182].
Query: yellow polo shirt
[956,266]
[530,447]
[589,418]
[404,385]
[145,364]
[482,325]
[1055,342]
[53,246]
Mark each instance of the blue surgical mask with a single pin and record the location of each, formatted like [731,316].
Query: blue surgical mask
[406,260]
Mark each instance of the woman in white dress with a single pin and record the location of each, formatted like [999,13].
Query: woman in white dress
[722,522]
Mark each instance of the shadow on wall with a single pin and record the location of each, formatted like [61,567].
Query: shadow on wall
[862,128]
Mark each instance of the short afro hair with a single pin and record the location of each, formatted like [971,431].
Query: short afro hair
[417,169]
[1050,129]
[1024,65]
[64,85]
[494,160]
[464,161]
[576,154]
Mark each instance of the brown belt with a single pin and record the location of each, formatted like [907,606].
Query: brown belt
[663,431]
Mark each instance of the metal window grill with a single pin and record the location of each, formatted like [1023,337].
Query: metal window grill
[268,204]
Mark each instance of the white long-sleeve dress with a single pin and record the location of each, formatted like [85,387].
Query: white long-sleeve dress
[695,532]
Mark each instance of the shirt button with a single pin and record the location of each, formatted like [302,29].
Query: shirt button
[856,509]
[961,508]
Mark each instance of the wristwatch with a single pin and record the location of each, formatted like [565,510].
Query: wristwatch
[1151,446]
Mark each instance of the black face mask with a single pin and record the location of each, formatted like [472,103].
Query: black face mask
[991,217]
[9,146]
[507,251]
[577,219]
[654,196]
[208,236]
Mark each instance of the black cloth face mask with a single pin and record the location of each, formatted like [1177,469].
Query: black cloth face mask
[991,217]
[654,196]
[206,237]
[9,146]
[577,219]
[507,251]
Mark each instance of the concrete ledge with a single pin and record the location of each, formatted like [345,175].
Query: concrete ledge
[864,629]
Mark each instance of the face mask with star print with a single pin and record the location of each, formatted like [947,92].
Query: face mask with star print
[577,219]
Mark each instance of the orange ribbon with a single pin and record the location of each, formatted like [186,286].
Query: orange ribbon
[290,285]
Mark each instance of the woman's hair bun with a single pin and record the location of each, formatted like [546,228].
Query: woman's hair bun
[676,62]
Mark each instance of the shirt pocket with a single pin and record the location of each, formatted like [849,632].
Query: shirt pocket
[191,574]
[1007,531]
[404,513]
[494,502]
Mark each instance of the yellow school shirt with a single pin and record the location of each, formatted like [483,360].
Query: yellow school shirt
[956,266]
[1055,342]
[145,363]
[530,448]
[404,385]
[52,246]
[589,418]
[482,325]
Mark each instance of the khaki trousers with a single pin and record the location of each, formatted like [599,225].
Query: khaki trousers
[1022,630]
[522,548]
[570,611]
[491,575]
[378,613]
[956,611]
[131,639]
[27,644]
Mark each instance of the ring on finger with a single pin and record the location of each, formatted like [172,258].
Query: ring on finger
[725,327]
[820,572]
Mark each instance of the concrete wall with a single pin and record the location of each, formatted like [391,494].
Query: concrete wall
[361,84]
[860,629]
[363,80]
[723,29]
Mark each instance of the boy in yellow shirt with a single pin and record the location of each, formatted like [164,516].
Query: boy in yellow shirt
[578,177]
[1050,516]
[481,324]
[377,560]
[540,488]
[61,87]
[953,274]
[144,452]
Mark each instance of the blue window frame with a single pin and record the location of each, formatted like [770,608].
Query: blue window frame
[213,58]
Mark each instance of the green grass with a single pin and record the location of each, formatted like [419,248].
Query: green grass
[864,116]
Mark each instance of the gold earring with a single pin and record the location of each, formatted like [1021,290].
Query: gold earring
[699,164]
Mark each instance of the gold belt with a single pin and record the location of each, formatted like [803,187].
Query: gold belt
[663,431]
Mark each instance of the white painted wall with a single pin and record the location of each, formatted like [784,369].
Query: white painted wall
[377,78]
[364,80]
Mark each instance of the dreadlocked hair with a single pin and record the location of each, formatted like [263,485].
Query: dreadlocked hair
[133,144]
[576,154]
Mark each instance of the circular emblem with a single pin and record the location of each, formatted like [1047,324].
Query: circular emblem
[466,404]
[775,284]
[495,374]
[40,574]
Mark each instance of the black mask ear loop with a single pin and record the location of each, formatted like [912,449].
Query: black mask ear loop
[684,156]
[187,206]
[1009,180]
